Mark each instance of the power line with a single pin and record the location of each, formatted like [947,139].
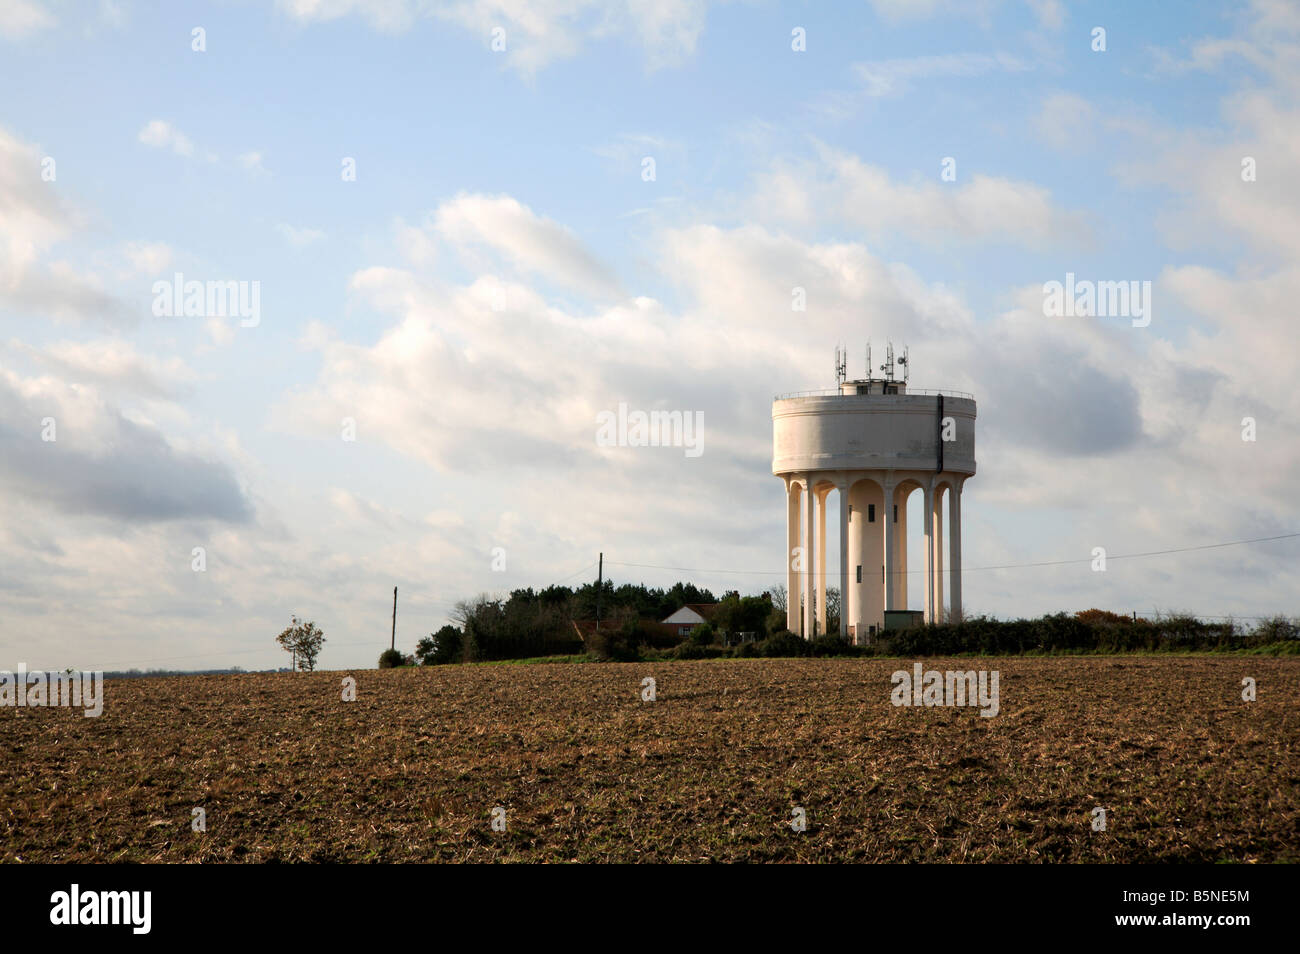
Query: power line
[696,569]
[220,652]
[689,569]
[425,601]
[1002,566]
[570,576]
[244,652]
[1149,553]
[1214,615]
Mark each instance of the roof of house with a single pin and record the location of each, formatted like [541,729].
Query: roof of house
[692,613]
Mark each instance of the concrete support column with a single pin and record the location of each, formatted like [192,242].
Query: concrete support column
[857,531]
[821,561]
[901,537]
[929,551]
[810,504]
[938,552]
[791,542]
[890,552]
[954,550]
[842,488]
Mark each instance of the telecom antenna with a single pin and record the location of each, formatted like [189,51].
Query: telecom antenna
[907,368]
[888,366]
[868,359]
[841,361]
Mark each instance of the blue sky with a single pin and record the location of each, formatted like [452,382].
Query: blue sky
[518,173]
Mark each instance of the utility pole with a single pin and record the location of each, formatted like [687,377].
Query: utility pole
[600,585]
[393,643]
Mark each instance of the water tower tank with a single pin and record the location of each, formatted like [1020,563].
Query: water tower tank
[872,440]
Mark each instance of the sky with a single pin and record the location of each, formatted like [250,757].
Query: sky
[474,226]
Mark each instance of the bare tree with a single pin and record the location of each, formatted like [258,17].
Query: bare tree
[304,640]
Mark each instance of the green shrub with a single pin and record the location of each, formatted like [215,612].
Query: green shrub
[444,646]
[784,643]
[616,644]
[690,650]
[702,635]
[391,659]
[776,621]
[1279,629]
[1092,631]
[833,646]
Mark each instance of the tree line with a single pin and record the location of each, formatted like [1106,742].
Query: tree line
[540,623]
[537,623]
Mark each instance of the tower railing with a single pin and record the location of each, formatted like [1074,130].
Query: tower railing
[835,392]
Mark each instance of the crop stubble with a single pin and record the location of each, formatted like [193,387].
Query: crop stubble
[587,771]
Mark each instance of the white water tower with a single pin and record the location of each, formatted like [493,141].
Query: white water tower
[874,441]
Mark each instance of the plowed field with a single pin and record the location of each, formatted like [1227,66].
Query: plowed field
[712,770]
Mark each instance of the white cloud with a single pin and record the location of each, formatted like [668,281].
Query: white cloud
[112,13]
[386,15]
[148,258]
[531,243]
[494,380]
[299,237]
[360,510]
[112,364]
[537,32]
[21,18]
[1265,39]
[632,147]
[102,463]
[33,219]
[891,77]
[1050,14]
[895,10]
[416,245]
[252,161]
[1067,121]
[449,384]
[220,331]
[162,135]
[670,30]
[1204,166]
[839,187]
[63,293]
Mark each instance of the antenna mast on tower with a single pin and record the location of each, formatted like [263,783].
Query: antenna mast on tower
[888,366]
[841,362]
